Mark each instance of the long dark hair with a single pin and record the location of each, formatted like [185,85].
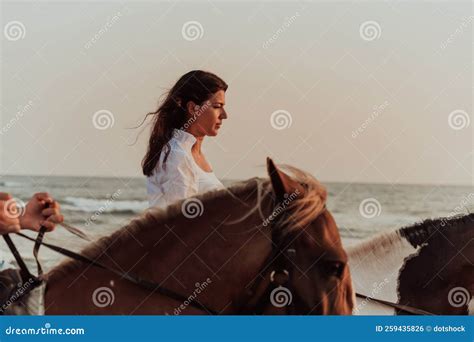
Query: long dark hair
[196,86]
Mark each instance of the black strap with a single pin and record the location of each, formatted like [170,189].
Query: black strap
[24,271]
[25,274]
[39,240]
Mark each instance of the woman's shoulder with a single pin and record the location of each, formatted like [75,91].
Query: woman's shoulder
[172,158]
[176,153]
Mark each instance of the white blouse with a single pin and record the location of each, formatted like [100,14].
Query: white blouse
[181,176]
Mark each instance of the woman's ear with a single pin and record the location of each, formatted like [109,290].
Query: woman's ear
[282,183]
[191,108]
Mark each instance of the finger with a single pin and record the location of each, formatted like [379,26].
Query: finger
[5,196]
[48,225]
[54,204]
[48,203]
[43,196]
[49,211]
[14,228]
[34,227]
[9,226]
[56,218]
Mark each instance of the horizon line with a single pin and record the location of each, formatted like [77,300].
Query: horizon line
[242,179]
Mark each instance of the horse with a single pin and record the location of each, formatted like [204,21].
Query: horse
[263,246]
[428,266]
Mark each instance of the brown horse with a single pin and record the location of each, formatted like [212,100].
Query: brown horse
[214,250]
[443,265]
[429,266]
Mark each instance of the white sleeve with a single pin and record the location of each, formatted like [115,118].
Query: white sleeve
[176,181]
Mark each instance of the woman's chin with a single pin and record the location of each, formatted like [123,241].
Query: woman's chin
[214,132]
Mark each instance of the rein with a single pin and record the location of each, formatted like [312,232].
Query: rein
[280,276]
[400,307]
[152,286]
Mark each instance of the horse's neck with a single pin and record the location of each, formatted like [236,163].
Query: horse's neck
[204,255]
[183,252]
[375,265]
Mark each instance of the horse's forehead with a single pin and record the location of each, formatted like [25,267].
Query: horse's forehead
[322,237]
[324,228]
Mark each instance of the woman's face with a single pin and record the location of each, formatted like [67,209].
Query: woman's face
[207,118]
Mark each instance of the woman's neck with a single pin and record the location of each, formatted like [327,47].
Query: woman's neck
[197,146]
[199,139]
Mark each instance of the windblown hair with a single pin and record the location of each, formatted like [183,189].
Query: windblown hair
[196,86]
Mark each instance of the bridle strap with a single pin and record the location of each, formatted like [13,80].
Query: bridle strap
[25,274]
[276,260]
[38,242]
[24,271]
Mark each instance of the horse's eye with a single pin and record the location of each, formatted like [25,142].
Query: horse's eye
[333,268]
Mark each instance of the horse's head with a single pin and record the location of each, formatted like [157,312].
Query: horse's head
[310,265]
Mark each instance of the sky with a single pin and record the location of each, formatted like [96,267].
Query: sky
[377,92]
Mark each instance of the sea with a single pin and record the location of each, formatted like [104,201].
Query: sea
[100,206]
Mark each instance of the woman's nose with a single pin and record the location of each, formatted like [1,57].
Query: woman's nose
[224,115]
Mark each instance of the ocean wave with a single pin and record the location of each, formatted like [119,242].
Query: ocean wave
[11,184]
[355,233]
[103,205]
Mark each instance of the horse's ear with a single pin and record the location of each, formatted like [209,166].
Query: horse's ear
[282,183]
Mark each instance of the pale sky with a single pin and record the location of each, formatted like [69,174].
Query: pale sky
[359,91]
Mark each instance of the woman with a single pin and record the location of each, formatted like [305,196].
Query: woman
[174,164]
